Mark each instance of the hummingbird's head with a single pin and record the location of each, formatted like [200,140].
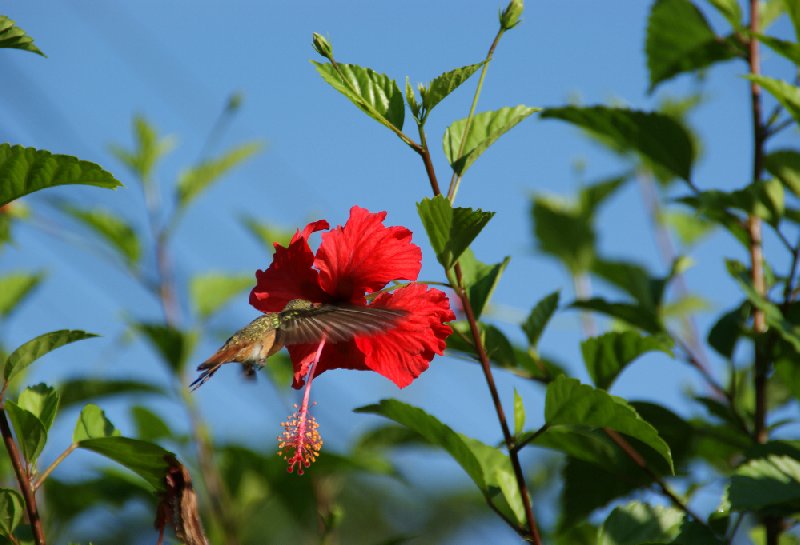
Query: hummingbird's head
[299,304]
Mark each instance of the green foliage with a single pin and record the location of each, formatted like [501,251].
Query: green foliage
[34,349]
[634,315]
[15,288]
[210,292]
[789,50]
[450,230]
[149,425]
[173,345]
[785,165]
[25,170]
[11,510]
[787,94]
[606,356]
[93,424]
[377,95]
[118,234]
[442,85]
[519,414]
[636,523]
[146,459]
[480,279]
[679,39]
[148,150]
[539,317]
[266,234]
[40,400]
[770,485]
[484,130]
[30,431]
[14,37]
[657,138]
[79,390]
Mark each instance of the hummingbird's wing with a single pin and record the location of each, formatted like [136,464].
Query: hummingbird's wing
[335,323]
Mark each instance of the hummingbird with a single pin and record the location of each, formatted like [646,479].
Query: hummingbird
[300,322]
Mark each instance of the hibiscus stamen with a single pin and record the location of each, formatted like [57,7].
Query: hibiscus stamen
[300,442]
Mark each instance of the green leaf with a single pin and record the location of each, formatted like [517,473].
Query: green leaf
[572,403]
[690,228]
[411,100]
[149,425]
[606,356]
[632,279]
[93,424]
[377,95]
[11,510]
[173,345]
[787,94]
[80,390]
[495,343]
[211,291]
[197,179]
[724,334]
[146,459]
[480,279]
[14,288]
[656,137]
[789,50]
[25,170]
[484,130]
[771,483]
[266,234]
[563,232]
[634,315]
[636,523]
[40,400]
[764,199]
[785,165]
[772,314]
[148,149]
[107,225]
[539,316]
[444,84]
[592,196]
[450,230]
[519,413]
[30,431]
[793,10]
[34,349]
[12,36]
[679,39]
[729,9]
[488,467]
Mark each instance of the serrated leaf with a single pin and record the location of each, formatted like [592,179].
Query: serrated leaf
[571,403]
[173,345]
[785,165]
[25,170]
[729,9]
[606,356]
[149,425]
[787,94]
[42,401]
[268,235]
[563,232]
[488,467]
[444,84]
[450,230]
[632,314]
[11,36]
[636,523]
[107,225]
[14,288]
[480,279]
[31,433]
[771,483]
[197,179]
[148,460]
[772,314]
[485,129]
[80,390]
[656,137]
[210,292]
[679,39]
[519,413]
[375,94]
[93,424]
[148,149]
[539,317]
[34,349]
[11,510]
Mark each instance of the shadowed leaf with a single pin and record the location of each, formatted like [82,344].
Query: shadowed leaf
[450,230]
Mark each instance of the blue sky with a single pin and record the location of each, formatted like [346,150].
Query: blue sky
[177,63]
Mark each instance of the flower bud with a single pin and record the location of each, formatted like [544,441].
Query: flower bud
[509,17]
[322,46]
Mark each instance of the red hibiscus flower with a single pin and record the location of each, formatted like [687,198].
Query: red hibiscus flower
[360,258]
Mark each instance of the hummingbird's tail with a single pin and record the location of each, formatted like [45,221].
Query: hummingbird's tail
[208,370]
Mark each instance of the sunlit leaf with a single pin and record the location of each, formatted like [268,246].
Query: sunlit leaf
[25,170]
[480,279]
[211,291]
[34,349]
[519,414]
[785,165]
[42,401]
[14,288]
[450,230]
[146,459]
[539,317]
[197,179]
[789,50]
[656,137]
[12,36]
[636,523]
[107,225]
[31,433]
[729,9]
[784,92]
[444,84]
[767,483]
[375,94]
[484,130]
[690,228]
[11,510]
[606,356]
[93,424]
[572,403]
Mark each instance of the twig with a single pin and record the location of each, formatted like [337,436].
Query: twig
[51,467]
[23,479]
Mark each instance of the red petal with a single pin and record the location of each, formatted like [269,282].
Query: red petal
[290,275]
[334,356]
[364,255]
